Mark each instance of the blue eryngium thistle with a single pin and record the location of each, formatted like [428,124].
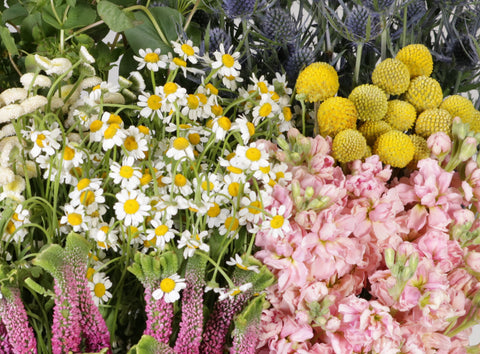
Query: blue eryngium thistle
[238,8]
[415,10]
[362,24]
[378,5]
[299,58]
[219,36]
[279,26]
[463,53]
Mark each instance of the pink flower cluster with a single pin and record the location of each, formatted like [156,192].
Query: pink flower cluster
[370,263]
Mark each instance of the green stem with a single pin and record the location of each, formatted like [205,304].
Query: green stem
[191,15]
[358,61]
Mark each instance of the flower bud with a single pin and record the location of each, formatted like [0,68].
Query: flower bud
[283,144]
[459,129]
[309,192]
[468,149]
[439,144]
[473,261]
[389,257]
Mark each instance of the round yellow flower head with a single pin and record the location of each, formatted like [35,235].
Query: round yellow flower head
[392,76]
[336,114]
[349,145]
[475,123]
[371,130]
[318,81]
[417,58]
[421,150]
[433,120]
[370,101]
[394,148]
[459,106]
[400,115]
[423,93]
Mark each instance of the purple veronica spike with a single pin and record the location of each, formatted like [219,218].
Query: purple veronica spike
[17,335]
[159,316]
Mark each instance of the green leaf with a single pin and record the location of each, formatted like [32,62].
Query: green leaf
[50,259]
[146,36]
[80,16]
[116,19]
[49,17]
[14,14]
[148,345]
[33,285]
[71,3]
[77,244]
[8,41]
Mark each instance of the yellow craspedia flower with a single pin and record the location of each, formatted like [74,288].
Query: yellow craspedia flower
[394,148]
[336,114]
[370,101]
[421,150]
[348,145]
[318,81]
[400,115]
[371,130]
[423,93]
[459,106]
[392,76]
[433,120]
[475,123]
[417,58]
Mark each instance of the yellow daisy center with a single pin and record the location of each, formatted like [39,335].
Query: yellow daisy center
[241,266]
[265,110]
[74,219]
[87,197]
[68,153]
[214,211]
[253,154]
[194,138]
[287,113]
[99,290]
[187,49]
[251,128]
[154,102]
[126,171]
[262,87]
[180,180]
[143,129]
[10,227]
[228,60]
[265,169]
[235,170]
[207,186]
[83,183]
[277,222]
[192,101]
[233,189]
[169,88]
[104,229]
[180,62]
[180,143]
[255,207]
[90,272]
[130,143]
[231,223]
[161,230]
[167,285]
[131,206]
[114,118]
[212,89]
[145,179]
[40,139]
[111,131]
[151,57]
[95,126]
[224,123]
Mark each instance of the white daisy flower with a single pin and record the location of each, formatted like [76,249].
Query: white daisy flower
[180,147]
[30,79]
[230,82]
[151,59]
[14,94]
[11,112]
[252,156]
[14,232]
[75,217]
[86,56]
[14,190]
[72,157]
[192,243]
[169,206]
[125,174]
[135,143]
[216,215]
[45,141]
[31,104]
[6,175]
[193,108]
[266,108]
[235,291]
[231,225]
[221,127]
[113,135]
[181,185]
[227,64]
[161,232]
[105,235]
[186,51]
[132,207]
[151,103]
[246,128]
[277,224]
[238,261]
[173,92]
[252,208]
[170,288]
[59,66]
[99,286]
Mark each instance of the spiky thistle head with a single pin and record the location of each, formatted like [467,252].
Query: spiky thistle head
[279,25]
[218,36]
[299,57]
[362,24]
[378,5]
[238,8]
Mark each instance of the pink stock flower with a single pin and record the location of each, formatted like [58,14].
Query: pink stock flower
[439,143]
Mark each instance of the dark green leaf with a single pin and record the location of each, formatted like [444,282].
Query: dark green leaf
[80,16]
[49,17]
[14,14]
[146,36]
[8,41]
[116,19]
[71,3]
